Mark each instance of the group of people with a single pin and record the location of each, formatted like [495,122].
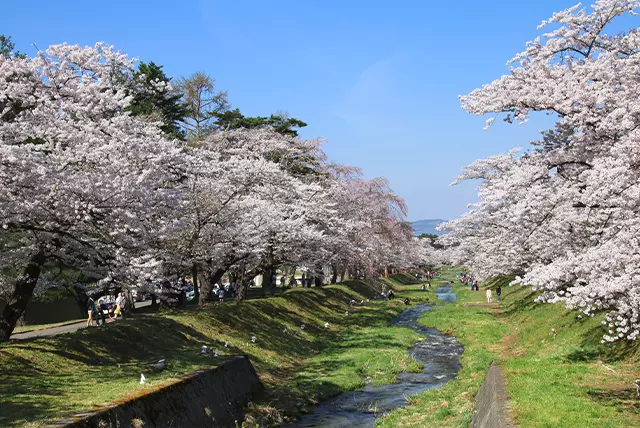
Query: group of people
[99,311]
[467,279]
[305,281]
[226,291]
[429,275]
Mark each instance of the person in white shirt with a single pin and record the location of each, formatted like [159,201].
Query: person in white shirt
[121,301]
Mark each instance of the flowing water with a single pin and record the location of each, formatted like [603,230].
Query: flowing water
[440,355]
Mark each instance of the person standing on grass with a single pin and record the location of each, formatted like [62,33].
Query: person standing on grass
[91,309]
[489,299]
[498,292]
[120,303]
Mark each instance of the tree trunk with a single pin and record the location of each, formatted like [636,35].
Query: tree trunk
[81,299]
[318,277]
[207,285]
[334,274]
[194,279]
[267,279]
[242,286]
[22,293]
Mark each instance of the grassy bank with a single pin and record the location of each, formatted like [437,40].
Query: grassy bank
[48,378]
[568,380]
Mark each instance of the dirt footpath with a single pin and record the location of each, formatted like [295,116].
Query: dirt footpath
[491,401]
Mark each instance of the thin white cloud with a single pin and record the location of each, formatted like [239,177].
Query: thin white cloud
[373,97]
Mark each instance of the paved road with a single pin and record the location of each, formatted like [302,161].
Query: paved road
[253,293]
[69,328]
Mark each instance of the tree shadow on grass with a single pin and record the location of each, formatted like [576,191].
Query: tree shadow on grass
[406,279]
[526,303]
[321,389]
[367,288]
[39,375]
[591,349]
[622,399]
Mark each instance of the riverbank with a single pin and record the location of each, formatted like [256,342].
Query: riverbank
[567,380]
[437,354]
[48,378]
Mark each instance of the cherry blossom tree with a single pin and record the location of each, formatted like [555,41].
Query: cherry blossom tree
[564,215]
[81,182]
[242,206]
[89,187]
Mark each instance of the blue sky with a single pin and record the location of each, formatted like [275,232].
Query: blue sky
[378,79]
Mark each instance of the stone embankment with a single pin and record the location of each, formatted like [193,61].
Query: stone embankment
[207,398]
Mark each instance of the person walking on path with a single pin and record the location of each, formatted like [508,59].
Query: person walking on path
[489,299]
[91,309]
[498,292]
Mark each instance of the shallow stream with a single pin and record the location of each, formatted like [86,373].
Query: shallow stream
[440,355]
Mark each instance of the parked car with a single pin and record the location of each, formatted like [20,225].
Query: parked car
[138,295]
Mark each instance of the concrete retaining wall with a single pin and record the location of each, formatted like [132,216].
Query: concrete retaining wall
[491,401]
[208,398]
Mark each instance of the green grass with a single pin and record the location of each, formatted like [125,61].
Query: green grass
[570,380]
[45,379]
[566,381]
[378,353]
[480,333]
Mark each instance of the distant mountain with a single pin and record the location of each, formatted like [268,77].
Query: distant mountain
[426,226]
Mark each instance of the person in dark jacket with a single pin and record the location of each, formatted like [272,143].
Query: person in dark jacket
[91,309]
